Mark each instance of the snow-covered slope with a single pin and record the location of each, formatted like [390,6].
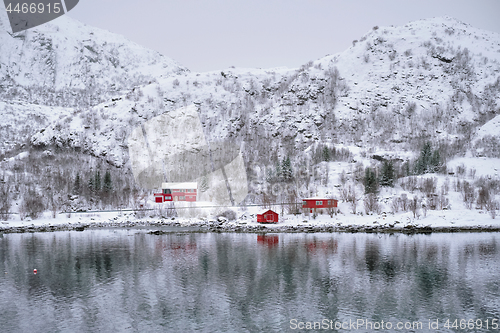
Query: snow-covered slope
[397,87]
[67,63]
[64,66]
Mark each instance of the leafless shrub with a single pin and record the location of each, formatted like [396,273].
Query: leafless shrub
[483,196]
[371,204]
[442,200]
[461,169]
[492,207]
[446,186]
[32,205]
[428,186]
[229,214]
[4,201]
[414,205]
[395,204]
[343,178]
[352,198]
[409,183]
[293,203]
[404,202]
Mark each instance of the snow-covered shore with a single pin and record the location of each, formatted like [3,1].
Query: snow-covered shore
[433,221]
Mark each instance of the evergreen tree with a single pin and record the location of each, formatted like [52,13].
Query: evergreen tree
[326,154]
[77,185]
[423,162]
[370,181]
[278,171]
[91,184]
[286,169]
[204,184]
[387,178]
[435,161]
[107,185]
[97,182]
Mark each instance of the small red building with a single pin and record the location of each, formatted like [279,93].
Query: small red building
[267,216]
[317,205]
[177,192]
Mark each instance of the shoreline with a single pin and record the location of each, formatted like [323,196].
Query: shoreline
[220,227]
[402,223]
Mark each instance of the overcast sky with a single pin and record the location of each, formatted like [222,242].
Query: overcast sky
[206,35]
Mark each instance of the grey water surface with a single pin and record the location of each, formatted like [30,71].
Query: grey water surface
[118,280]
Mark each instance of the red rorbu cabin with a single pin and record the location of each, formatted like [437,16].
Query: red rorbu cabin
[267,216]
[316,205]
[177,192]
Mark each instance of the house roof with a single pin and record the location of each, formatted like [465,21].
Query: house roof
[318,198]
[179,185]
[265,211]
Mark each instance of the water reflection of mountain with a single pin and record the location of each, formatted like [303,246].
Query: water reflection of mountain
[108,279]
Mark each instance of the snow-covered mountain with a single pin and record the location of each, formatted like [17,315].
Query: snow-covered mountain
[435,79]
[64,62]
[62,66]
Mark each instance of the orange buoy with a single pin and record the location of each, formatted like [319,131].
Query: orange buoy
[34,271]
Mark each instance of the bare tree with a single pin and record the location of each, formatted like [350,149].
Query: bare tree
[32,204]
[331,210]
[492,207]
[4,201]
[483,197]
[395,204]
[293,203]
[468,194]
[352,198]
[371,203]
[414,205]
[404,202]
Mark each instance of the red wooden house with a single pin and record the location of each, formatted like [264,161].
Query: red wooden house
[177,192]
[317,205]
[267,216]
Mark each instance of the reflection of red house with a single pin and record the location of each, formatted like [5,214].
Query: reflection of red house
[177,192]
[269,240]
[310,205]
[326,246]
[267,216]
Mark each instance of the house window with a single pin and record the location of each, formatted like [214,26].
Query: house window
[329,202]
[304,203]
[166,191]
[182,190]
[319,203]
[182,197]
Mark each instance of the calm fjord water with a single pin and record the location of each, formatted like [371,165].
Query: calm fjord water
[130,281]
